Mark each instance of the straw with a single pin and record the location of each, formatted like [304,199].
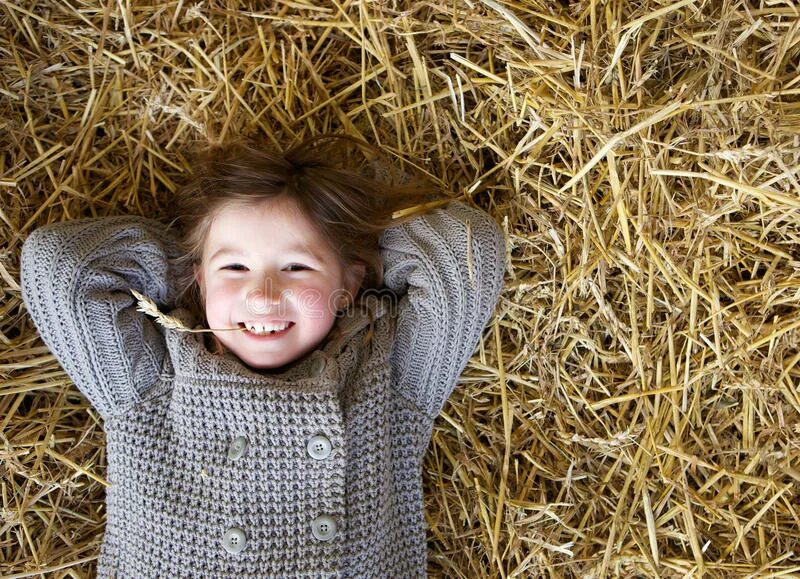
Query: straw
[633,408]
[149,307]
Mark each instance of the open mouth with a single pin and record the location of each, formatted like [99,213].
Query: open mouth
[262,331]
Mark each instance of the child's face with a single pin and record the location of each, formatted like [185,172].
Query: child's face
[265,264]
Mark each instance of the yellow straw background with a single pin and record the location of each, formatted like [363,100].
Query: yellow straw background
[633,408]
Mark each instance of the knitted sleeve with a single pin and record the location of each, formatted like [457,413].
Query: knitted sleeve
[449,290]
[75,279]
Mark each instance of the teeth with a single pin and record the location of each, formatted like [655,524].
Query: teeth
[267,328]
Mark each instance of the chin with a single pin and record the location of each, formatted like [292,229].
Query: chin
[262,365]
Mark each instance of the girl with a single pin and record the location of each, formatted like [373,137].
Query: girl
[290,443]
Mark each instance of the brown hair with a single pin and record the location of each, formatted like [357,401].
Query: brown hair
[350,206]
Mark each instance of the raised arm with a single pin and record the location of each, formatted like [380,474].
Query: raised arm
[450,291]
[76,277]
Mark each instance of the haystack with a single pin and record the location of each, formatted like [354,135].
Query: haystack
[633,409]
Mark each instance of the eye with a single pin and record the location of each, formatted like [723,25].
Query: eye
[235,267]
[297,267]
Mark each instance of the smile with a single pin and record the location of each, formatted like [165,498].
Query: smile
[266,329]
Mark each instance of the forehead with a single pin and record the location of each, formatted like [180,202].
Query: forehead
[274,225]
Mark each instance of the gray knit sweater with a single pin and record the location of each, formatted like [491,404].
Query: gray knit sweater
[217,470]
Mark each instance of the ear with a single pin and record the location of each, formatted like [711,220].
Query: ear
[353,278]
[197,271]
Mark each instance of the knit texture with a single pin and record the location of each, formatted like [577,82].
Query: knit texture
[182,500]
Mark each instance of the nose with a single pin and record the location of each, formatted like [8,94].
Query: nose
[265,297]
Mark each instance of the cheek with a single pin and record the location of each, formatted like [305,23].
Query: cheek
[315,302]
[219,297]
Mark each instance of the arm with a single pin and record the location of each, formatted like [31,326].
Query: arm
[444,311]
[76,277]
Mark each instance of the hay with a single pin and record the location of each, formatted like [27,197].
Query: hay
[633,409]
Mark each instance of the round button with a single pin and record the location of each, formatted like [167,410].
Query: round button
[323,528]
[319,447]
[234,540]
[318,366]
[237,448]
